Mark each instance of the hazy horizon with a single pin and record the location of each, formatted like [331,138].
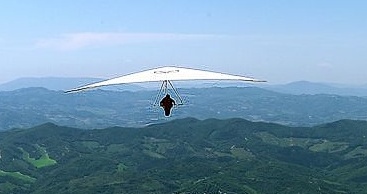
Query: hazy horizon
[215,83]
[278,41]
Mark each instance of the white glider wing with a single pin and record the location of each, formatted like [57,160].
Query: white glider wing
[163,74]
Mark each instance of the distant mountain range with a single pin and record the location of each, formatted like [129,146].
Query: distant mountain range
[299,87]
[103,108]
[186,156]
[304,87]
[58,83]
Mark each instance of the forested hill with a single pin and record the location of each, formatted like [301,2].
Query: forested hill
[99,109]
[186,156]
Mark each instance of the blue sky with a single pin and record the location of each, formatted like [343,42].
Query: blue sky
[280,41]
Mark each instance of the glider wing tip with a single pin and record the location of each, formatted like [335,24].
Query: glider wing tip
[261,81]
[70,91]
[74,90]
[255,80]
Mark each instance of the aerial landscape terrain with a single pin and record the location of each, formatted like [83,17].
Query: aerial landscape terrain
[225,140]
[28,107]
[183,97]
[186,156]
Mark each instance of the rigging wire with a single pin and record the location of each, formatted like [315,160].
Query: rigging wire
[164,89]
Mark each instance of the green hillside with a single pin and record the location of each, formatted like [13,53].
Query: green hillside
[186,156]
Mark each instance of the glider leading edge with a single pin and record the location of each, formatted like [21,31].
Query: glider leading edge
[166,75]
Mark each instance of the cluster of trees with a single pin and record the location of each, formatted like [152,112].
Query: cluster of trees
[188,156]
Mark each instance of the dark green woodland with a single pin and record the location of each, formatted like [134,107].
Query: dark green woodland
[186,156]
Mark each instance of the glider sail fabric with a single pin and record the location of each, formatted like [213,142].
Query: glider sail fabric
[166,73]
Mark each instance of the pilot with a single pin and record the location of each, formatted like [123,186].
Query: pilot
[167,104]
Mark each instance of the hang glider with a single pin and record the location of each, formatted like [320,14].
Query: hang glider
[166,75]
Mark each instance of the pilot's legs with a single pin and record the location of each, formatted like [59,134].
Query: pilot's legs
[167,111]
